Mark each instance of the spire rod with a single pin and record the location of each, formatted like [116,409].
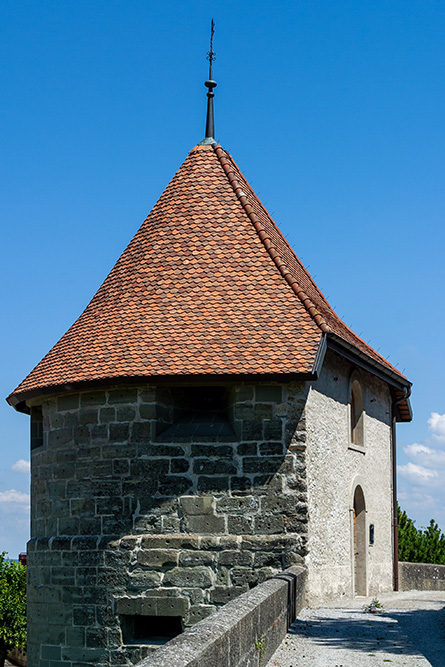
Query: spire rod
[210,84]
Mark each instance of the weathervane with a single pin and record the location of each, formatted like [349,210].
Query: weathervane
[210,84]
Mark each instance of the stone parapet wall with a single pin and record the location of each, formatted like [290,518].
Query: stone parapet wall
[244,633]
[421,577]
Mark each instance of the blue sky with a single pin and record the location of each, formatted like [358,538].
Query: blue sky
[334,112]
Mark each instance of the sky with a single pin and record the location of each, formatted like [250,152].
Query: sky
[333,110]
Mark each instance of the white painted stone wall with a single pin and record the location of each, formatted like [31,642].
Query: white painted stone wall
[333,471]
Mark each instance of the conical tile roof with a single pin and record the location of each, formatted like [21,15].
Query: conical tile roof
[208,286]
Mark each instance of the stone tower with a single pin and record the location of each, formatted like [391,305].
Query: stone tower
[169,425]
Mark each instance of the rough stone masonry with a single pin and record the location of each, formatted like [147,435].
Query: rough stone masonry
[139,514]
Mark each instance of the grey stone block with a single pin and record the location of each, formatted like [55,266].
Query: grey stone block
[99,433]
[247,449]
[121,467]
[68,402]
[158,558]
[172,606]
[244,411]
[199,612]
[56,420]
[124,395]
[159,449]
[75,636]
[119,432]
[107,415]
[193,558]
[208,451]
[84,615]
[237,505]
[262,465]
[272,448]
[144,579]
[170,524]
[207,524]
[268,393]
[240,576]
[273,429]
[240,525]
[90,656]
[92,398]
[96,637]
[213,483]
[220,467]
[188,576]
[147,411]
[50,652]
[232,558]
[88,417]
[243,393]
[262,411]
[179,465]
[125,414]
[182,541]
[60,436]
[252,429]
[221,595]
[174,485]
[196,505]
[269,525]
[133,606]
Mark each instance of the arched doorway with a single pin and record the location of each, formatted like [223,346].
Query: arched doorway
[359,537]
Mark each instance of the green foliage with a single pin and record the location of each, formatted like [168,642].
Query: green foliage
[12,606]
[260,646]
[374,607]
[420,545]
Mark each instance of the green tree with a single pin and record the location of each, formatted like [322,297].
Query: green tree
[12,606]
[420,545]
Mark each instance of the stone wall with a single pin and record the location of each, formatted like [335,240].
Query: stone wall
[421,577]
[334,469]
[132,519]
[244,633]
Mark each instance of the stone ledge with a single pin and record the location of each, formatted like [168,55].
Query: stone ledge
[229,637]
[421,577]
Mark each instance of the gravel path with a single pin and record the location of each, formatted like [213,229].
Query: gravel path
[410,632]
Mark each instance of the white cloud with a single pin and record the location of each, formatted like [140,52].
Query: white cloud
[436,424]
[415,450]
[417,473]
[21,466]
[425,455]
[13,499]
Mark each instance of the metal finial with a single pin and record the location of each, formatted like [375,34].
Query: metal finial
[210,84]
[211,54]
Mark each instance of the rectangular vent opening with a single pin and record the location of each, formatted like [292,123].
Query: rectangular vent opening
[150,629]
[194,412]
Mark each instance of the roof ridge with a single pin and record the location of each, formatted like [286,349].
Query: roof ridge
[225,161]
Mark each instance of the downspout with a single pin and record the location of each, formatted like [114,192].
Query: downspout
[394,489]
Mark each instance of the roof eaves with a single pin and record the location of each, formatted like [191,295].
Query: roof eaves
[401,387]
[19,400]
[363,360]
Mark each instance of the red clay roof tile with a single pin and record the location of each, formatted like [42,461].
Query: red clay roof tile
[208,285]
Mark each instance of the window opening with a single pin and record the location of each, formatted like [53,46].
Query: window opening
[356,414]
[150,629]
[194,411]
[36,427]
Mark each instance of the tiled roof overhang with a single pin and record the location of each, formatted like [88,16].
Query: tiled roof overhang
[208,288]
[399,385]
